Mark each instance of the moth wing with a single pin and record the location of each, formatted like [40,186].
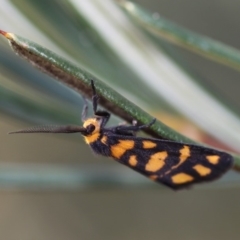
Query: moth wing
[174,164]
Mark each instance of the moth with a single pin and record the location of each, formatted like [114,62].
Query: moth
[174,164]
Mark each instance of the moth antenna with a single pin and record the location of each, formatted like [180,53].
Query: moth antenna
[52,129]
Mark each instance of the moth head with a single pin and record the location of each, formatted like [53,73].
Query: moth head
[92,125]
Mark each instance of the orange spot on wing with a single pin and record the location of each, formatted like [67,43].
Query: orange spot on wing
[156,161]
[181,178]
[149,144]
[153,177]
[119,149]
[203,171]
[184,153]
[133,160]
[214,159]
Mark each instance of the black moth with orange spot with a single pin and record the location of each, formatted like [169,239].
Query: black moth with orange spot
[176,165]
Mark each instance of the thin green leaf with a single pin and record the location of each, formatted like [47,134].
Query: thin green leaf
[175,34]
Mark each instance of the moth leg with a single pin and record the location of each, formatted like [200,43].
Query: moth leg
[134,123]
[146,125]
[128,133]
[102,114]
[122,124]
[95,98]
[133,128]
[85,109]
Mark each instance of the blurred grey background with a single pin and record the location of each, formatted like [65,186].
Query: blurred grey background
[114,212]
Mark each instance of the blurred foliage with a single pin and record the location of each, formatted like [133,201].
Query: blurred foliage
[105,41]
